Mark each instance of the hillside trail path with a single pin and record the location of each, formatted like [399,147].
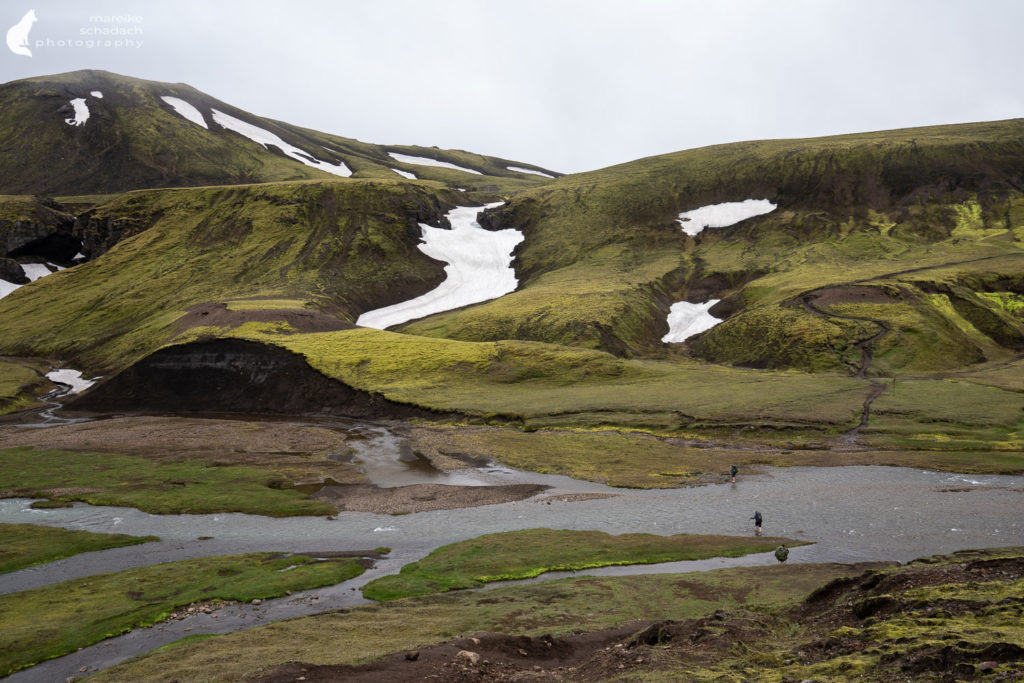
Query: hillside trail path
[866,347]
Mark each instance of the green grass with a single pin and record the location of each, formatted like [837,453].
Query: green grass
[18,385]
[24,545]
[43,623]
[155,487]
[524,381]
[529,553]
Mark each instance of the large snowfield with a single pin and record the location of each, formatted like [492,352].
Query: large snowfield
[479,268]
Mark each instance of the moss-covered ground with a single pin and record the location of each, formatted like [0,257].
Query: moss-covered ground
[156,487]
[47,622]
[951,617]
[24,545]
[20,382]
[145,143]
[532,552]
[557,608]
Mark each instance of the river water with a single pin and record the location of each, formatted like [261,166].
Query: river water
[850,513]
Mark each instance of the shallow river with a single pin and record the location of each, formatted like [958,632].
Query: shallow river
[850,513]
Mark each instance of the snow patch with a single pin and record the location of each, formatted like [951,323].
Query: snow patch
[686,319]
[6,288]
[97,94]
[72,378]
[405,174]
[479,268]
[424,161]
[266,138]
[723,215]
[186,110]
[34,271]
[81,112]
[519,169]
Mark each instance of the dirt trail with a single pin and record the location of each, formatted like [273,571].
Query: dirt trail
[866,347]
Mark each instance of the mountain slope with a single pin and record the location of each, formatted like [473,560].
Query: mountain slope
[90,132]
[604,255]
[322,251]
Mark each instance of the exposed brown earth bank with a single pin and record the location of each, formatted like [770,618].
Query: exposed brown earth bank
[219,315]
[402,500]
[231,375]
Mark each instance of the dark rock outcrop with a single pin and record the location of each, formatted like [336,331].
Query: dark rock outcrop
[234,376]
[11,271]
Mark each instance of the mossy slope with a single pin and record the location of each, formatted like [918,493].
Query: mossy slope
[337,247]
[134,140]
[604,257]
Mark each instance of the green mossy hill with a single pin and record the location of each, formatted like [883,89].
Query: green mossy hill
[133,139]
[604,256]
[535,385]
[336,247]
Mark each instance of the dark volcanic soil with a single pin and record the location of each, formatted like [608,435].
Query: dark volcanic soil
[484,657]
[218,315]
[228,376]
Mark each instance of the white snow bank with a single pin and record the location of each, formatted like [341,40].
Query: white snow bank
[97,93]
[723,215]
[686,319]
[81,112]
[405,174]
[185,110]
[519,169]
[34,271]
[6,288]
[479,268]
[424,161]
[73,378]
[265,138]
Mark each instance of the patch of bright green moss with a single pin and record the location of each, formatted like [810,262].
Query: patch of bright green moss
[24,545]
[47,622]
[529,553]
[156,487]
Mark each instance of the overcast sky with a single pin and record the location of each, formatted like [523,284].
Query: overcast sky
[570,85]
